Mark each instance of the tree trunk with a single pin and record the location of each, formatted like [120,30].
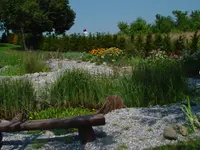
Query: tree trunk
[23,39]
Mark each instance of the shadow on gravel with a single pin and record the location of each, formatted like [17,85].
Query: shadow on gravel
[63,142]
[167,114]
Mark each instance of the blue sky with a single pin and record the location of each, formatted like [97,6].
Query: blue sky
[103,15]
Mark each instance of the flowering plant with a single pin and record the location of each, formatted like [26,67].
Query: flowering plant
[161,55]
[157,54]
[108,55]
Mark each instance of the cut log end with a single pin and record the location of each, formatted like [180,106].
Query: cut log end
[86,134]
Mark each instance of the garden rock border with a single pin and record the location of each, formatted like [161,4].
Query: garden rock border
[57,66]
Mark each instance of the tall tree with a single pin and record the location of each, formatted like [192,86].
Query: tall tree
[139,26]
[195,20]
[36,16]
[163,24]
[123,27]
[182,20]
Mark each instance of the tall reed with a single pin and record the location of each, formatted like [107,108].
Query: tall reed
[16,95]
[152,83]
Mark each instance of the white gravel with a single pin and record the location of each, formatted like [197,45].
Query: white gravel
[132,128]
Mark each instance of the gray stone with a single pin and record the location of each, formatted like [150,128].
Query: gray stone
[48,133]
[183,130]
[43,74]
[170,133]
[36,74]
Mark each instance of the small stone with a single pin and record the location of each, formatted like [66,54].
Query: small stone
[183,130]
[78,61]
[36,74]
[104,63]
[43,74]
[48,133]
[170,133]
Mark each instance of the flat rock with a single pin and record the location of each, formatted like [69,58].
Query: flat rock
[170,133]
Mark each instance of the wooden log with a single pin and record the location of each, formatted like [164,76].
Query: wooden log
[10,126]
[86,134]
[1,137]
[46,124]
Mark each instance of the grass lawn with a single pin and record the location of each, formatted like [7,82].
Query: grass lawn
[19,62]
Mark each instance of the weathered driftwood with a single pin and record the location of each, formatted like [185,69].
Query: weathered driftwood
[83,123]
[112,102]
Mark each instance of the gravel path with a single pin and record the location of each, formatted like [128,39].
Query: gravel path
[131,128]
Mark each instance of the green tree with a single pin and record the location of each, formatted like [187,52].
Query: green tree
[182,20]
[195,20]
[123,27]
[163,24]
[36,16]
[139,26]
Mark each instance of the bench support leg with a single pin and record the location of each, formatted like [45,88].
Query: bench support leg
[86,134]
[1,137]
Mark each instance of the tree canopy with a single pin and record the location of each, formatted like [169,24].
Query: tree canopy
[181,21]
[37,16]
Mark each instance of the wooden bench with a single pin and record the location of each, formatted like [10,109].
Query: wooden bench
[83,123]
